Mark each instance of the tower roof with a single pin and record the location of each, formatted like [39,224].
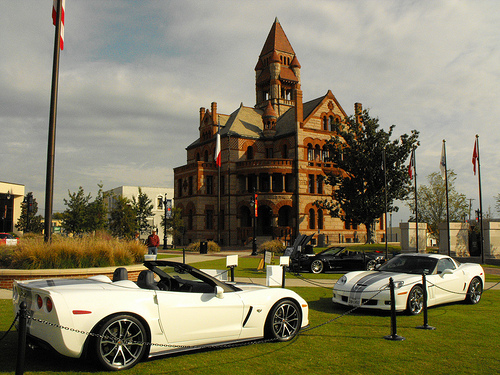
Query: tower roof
[276,40]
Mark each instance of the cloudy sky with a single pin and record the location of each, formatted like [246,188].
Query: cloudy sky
[134,74]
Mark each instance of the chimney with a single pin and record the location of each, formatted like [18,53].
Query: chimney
[214,113]
[299,107]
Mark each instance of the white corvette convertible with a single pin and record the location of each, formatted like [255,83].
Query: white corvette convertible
[172,307]
[447,281]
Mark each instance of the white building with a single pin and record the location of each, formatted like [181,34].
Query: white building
[157,196]
[11,197]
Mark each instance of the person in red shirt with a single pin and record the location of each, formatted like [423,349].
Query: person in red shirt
[153,243]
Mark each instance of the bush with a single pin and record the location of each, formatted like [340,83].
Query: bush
[274,246]
[195,247]
[64,252]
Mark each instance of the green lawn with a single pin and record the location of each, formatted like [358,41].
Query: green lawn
[466,341]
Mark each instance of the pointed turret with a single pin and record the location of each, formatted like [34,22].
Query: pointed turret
[277,72]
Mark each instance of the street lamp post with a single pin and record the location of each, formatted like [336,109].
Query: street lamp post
[167,205]
[254,205]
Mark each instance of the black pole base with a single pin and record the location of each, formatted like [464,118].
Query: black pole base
[394,337]
[426,326]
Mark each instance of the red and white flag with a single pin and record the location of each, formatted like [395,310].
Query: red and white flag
[54,19]
[217,150]
[410,166]
[474,157]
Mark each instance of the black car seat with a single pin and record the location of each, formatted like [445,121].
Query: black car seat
[146,280]
[120,273]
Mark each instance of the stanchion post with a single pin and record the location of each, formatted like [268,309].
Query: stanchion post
[394,335]
[425,325]
[21,343]
[232,273]
[283,272]
[184,256]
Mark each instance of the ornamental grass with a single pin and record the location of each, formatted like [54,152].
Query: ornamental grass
[88,251]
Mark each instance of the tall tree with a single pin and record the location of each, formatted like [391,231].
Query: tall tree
[432,202]
[358,181]
[98,211]
[143,210]
[75,217]
[29,221]
[123,219]
[175,225]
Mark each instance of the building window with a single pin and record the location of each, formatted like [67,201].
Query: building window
[206,156]
[269,153]
[311,184]
[179,187]
[190,220]
[310,152]
[209,219]
[210,184]
[222,185]
[222,220]
[159,203]
[284,152]
[326,154]
[312,219]
[250,153]
[320,219]
[319,184]
[190,185]
[331,122]
[325,123]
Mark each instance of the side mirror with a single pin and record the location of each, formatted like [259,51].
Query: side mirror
[219,292]
[447,272]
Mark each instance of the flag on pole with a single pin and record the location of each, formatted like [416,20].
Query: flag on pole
[474,157]
[410,166]
[442,163]
[217,157]
[54,19]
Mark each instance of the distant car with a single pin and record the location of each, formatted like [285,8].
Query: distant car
[8,239]
[173,307]
[336,259]
[447,280]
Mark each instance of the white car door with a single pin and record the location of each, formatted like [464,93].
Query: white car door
[199,318]
[448,283]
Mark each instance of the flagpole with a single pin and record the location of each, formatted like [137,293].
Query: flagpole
[416,199]
[447,203]
[385,214]
[480,200]
[218,183]
[49,185]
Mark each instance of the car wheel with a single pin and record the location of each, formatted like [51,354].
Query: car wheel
[120,342]
[370,265]
[284,321]
[475,291]
[415,302]
[317,266]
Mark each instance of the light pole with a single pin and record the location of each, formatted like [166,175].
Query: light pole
[167,205]
[254,205]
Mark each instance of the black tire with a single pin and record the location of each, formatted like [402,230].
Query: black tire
[370,265]
[475,291]
[317,266]
[415,302]
[120,342]
[284,321]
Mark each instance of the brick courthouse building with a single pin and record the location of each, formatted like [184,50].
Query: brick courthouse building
[275,149]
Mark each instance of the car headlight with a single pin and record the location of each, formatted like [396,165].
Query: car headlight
[342,280]
[397,285]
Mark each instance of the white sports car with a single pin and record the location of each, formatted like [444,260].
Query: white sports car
[172,307]
[447,281]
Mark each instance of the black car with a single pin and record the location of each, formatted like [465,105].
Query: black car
[335,259]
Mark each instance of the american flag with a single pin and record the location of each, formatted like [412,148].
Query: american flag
[54,19]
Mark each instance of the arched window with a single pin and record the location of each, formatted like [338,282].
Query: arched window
[326,154]
[197,156]
[249,153]
[317,153]
[190,220]
[284,152]
[310,152]
[206,156]
[312,219]
[331,122]
[325,123]
[320,219]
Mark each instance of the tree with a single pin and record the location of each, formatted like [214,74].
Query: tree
[143,211]
[97,212]
[29,221]
[76,216]
[497,205]
[432,202]
[123,219]
[175,224]
[358,194]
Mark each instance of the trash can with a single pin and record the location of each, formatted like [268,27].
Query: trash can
[203,247]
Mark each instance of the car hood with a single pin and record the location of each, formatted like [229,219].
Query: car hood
[248,286]
[376,279]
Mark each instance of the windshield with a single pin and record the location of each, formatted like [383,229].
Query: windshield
[410,264]
[333,251]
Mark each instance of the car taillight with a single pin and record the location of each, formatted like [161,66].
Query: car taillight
[39,301]
[48,304]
